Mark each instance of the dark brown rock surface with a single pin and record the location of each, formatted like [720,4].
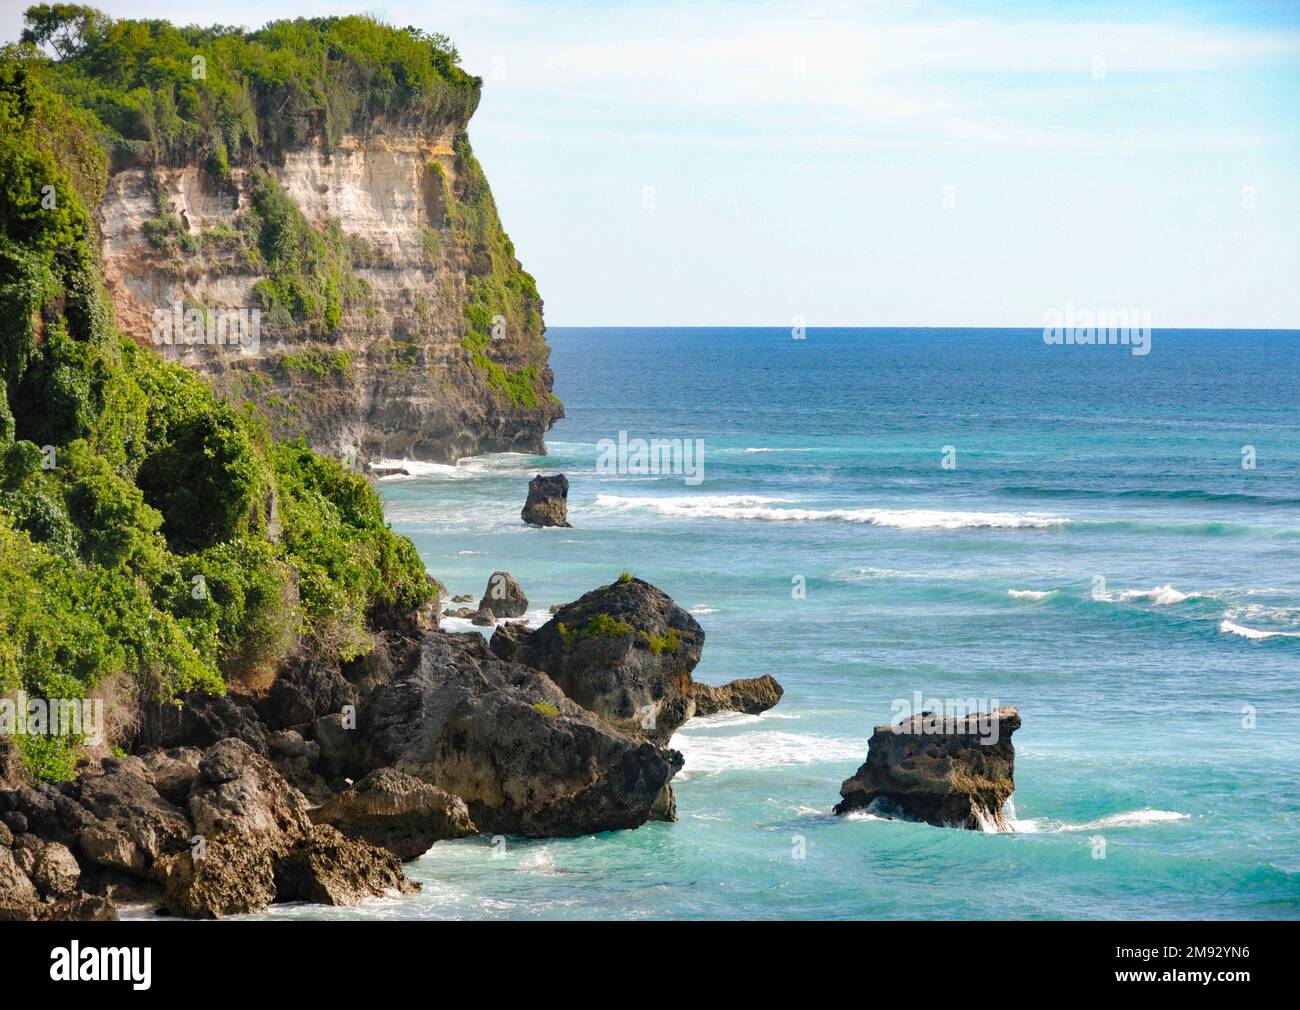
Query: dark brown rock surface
[951,772]
[750,695]
[548,501]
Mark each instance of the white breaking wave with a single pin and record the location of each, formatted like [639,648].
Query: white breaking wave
[1129,819]
[1160,596]
[533,618]
[701,611]
[706,752]
[758,508]
[469,468]
[766,449]
[1255,634]
[1030,594]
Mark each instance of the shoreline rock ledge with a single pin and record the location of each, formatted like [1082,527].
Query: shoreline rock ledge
[750,695]
[944,770]
[548,501]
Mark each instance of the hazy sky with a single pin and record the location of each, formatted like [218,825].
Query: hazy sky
[876,164]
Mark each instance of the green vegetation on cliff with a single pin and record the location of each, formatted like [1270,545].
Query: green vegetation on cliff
[220,96]
[153,538]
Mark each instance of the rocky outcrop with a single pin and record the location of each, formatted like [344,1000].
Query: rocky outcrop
[509,639]
[749,695]
[238,839]
[503,597]
[397,812]
[302,692]
[444,738]
[548,501]
[402,367]
[625,652]
[328,868]
[525,759]
[951,772]
[200,720]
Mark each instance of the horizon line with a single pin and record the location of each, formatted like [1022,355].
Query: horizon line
[838,326]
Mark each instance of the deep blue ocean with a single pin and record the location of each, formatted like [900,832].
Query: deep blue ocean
[1095,553]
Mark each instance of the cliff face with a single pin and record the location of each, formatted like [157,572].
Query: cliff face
[395,320]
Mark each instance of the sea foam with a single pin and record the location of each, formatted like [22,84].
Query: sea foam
[1255,634]
[760,509]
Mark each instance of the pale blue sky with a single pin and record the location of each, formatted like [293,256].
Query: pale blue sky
[799,154]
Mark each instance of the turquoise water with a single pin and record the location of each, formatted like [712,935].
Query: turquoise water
[822,461]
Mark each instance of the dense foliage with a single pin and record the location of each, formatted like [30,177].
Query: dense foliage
[151,534]
[225,96]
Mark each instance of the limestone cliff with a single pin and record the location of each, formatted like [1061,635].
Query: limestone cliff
[395,320]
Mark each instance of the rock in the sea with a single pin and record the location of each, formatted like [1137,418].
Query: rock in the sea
[504,597]
[224,877]
[525,759]
[397,812]
[951,772]
[548,501]
[329,868]
[750,695]
[624,651]
[482,619]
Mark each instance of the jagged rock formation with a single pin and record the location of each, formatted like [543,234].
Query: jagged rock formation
[503,597]
[624,651]
[435,348]
[238,839]
[548,501]
[951,772]
[750,695]
[398,812]
[525,759]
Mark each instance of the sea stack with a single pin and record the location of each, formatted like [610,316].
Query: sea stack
[503,597]
[750,695]
[548,501]
[944,770]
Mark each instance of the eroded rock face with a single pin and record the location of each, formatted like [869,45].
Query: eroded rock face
[397,812]
[410,388]
[503,597]
[624,651]
[329,868]
[225,877]
[200,720]
[257,844]
[17,892]
[238,793]
[951,772]
[111,815]
[525,759]
[302,692]
[749,695]
[548,501]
